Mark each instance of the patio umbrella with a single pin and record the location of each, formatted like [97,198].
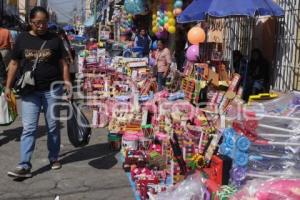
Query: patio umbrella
[198,10]
[68,28]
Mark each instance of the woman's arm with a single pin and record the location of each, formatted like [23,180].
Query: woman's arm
[66,75]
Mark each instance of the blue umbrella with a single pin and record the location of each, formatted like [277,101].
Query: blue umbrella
[52,26]
[68,28]
[198,10]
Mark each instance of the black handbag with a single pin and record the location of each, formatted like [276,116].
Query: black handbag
[26,83]
[79,130]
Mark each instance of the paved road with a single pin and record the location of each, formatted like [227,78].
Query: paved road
[92,172]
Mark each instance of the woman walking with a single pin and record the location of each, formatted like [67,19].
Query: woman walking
[48,49]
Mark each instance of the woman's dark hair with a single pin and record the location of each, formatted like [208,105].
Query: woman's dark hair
[162,41]
[37,9]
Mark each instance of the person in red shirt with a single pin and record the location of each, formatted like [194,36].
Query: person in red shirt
[163,63]
[6,43]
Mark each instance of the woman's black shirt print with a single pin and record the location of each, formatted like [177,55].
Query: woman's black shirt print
[48,69]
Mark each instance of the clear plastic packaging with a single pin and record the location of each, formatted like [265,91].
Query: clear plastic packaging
[191,188]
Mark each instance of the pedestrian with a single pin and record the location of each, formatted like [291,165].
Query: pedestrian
[51,68]
[6,43]
[2,72]
[163,62]
[258,75]
[144,41]
[71,53]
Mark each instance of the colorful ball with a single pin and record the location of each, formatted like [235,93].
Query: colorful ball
[196,35]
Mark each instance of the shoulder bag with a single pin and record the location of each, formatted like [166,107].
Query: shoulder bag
[26,83]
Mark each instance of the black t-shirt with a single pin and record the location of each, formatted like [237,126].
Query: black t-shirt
[48,68]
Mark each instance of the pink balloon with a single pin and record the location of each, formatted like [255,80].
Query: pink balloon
[192,53]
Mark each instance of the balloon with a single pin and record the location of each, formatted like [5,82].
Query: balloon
[161,22]
[166,26]
[178,4]
[161,28]
[177,11]
[162,35]
[192,53]
[166,19]
[154,45]
[172,29]
[169,14]
[196,35]
[155,29]
[154,16]
[172,22]
[154,23]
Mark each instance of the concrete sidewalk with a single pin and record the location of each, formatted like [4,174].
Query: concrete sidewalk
[92,172]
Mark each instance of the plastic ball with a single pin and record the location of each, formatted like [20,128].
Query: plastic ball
[196,35]
[192,53]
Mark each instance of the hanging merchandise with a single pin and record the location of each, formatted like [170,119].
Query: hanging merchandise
[134,7]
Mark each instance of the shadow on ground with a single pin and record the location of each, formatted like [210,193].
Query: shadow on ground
[100,155]
[15,134]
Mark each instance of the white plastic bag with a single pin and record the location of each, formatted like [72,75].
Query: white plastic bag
[8,110]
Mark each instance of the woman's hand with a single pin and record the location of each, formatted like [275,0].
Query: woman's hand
[7,94]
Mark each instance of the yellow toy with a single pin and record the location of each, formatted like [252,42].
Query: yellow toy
[262,96]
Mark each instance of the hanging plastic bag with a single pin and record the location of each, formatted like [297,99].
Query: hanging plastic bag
[79,131]
[8,109]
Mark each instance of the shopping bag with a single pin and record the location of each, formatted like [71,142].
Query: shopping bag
[8,109]
[79,130]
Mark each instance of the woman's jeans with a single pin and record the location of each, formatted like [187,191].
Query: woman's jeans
[31,109]
[161,81]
